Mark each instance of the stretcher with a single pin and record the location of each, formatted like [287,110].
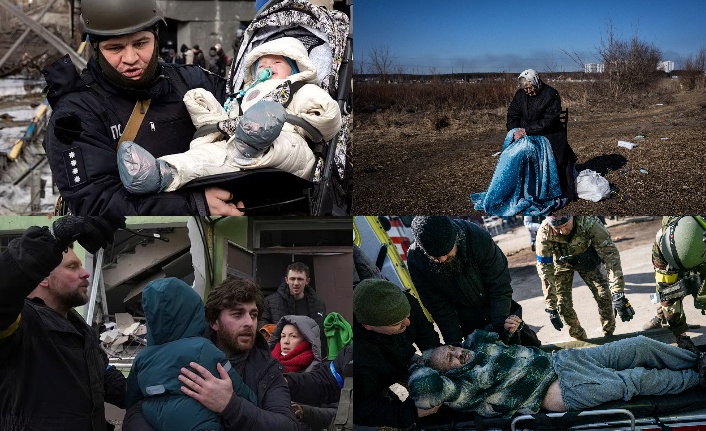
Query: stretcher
[681,412]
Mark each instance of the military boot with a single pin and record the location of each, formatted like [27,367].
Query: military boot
[578,333]
[656,322]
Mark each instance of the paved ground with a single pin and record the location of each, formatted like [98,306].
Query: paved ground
[633,237]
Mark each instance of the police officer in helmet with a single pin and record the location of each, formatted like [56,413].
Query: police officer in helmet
[92,110]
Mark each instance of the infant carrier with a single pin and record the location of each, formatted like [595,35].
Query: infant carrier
[327,37]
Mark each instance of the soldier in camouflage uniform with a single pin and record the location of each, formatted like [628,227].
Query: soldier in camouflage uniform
[582,244]
[678,253]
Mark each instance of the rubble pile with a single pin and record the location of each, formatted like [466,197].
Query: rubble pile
[124,337]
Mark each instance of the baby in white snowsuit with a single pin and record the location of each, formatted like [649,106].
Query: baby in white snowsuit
[260,140]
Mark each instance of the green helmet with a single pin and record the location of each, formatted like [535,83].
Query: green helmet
[683,243]
[119,17]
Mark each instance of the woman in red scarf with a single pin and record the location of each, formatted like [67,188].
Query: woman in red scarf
[296,343]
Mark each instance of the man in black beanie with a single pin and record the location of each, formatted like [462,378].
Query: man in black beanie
[462,278]
[386,323]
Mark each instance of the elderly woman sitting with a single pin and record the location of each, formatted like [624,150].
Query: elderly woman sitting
[535,171]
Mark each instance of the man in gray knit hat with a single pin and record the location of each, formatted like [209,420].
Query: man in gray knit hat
[386,323]
[462,278]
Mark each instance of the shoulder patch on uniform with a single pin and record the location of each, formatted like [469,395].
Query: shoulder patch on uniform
[75,170]
[545,259]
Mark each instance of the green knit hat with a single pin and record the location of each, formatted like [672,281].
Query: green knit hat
[377,302]
[436,235]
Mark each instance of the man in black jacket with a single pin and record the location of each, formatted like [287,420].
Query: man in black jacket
[461,276]
[295,296]
[387,322]
[53,373]
[535,110]
[232,310]
[91,112]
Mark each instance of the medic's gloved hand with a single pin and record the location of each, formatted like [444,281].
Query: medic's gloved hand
[259,126]
[93,233]
[140,172]
[622,307]
[555,319]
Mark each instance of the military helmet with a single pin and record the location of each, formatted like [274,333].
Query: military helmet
[682,243]
[119,17]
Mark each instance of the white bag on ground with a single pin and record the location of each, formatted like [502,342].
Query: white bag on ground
[590,185]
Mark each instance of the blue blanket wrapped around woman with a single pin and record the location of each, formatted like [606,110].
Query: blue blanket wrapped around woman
[526,180]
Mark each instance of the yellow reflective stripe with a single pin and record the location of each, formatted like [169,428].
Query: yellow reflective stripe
[11,329]
[666,278]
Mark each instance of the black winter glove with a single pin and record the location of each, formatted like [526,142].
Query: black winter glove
[555,319]
[93,233]
[622,307]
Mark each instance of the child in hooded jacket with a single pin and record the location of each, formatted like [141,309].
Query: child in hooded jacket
[176,322]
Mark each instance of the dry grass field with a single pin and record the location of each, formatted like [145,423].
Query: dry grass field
[423,148]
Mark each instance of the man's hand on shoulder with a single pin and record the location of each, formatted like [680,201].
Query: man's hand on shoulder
[213,392]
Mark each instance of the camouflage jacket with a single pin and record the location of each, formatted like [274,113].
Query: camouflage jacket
[553,250]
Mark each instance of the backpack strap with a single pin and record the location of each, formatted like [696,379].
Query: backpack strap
[343,420]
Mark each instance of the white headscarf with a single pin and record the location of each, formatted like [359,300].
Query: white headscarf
[532,76]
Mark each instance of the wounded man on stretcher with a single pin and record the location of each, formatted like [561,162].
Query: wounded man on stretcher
[492,379]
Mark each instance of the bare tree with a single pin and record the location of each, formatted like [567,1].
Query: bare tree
[434,73]
[695,70]
[629,64]
[575,57]
[381,62]
[359,67]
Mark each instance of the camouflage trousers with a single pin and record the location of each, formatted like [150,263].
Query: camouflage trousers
[560,298]
[672,312]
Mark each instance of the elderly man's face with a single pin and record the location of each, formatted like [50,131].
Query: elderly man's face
[235,328]
[447,358]
[129,54]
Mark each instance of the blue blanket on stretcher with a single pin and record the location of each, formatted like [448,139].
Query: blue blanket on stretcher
[526,180]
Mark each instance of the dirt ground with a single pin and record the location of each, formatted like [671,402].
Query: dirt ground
[416,169]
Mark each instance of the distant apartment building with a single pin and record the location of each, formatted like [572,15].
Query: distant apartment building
[666,66]
[593,68]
